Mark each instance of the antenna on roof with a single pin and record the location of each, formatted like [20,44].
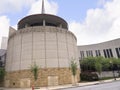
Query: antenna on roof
[43,8]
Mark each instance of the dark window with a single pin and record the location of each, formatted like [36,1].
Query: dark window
[0,63]
[82,54]
[108,55]
[118,52]
[105,53]
[97,53]
[87,53]
[91,53]
[111,54]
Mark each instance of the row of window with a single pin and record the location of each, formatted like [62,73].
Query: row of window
[118,52]
[89,53]
[107,53]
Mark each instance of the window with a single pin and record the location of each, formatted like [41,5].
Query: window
[97,53]
[111,54]
[105,53]
[118,52]
[108,53]
[89,53]
[82,54]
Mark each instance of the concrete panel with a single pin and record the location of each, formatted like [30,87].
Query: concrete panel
[61,37]
[50,36]
[39,45]
[62,46]
[62,54]
[51,54]
[69,39]
[39,62]
[52,63]
[64,62]
[15,66]
[38,54]
[26,64]
[38,36]
[50,45]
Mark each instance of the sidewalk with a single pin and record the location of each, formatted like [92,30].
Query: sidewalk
[64,86]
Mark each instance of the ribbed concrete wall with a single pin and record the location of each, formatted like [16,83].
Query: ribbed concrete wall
[49,47]
[112,44]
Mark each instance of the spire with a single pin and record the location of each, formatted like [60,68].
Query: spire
[43,8]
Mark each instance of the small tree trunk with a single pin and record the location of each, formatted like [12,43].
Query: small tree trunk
[74,79]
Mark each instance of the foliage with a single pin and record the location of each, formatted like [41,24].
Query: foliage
[99,63]
[88,76]
[88,64]
[2,73]
[74,67]
[105,64]
[98,67]
[34,70]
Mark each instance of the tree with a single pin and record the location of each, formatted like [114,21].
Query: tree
[34,70]
[105,64]
[2,74]
[74,69]
[98,67]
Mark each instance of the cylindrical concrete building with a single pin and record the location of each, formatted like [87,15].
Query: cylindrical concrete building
[44,39]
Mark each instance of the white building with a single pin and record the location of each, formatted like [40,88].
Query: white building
[4,43]
[46,40]
[107,49]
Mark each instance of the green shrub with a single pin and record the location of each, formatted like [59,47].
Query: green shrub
[89,76]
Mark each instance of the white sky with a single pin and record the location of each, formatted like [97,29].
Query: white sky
[100,24]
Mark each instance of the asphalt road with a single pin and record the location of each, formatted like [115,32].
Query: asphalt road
[104,86]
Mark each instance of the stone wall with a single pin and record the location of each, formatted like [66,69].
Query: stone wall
[1,83]
[46,77]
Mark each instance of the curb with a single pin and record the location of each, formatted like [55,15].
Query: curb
[73,86]
[97,83]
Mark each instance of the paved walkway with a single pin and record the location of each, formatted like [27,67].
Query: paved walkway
[63,86]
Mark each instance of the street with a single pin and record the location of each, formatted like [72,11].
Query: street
[106,86]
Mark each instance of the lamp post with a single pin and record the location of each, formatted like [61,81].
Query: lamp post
[112,70]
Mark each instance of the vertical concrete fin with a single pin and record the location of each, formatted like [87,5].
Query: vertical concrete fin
[43,8]
[11,30]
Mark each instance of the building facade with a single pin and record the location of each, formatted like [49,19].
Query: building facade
[107,49]
[45,40]
[4,43]
[2,57]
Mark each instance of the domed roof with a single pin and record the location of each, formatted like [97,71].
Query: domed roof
[37,20]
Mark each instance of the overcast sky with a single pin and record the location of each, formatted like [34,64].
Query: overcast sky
[92,21]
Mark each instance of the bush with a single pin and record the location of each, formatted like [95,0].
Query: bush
[89,76]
